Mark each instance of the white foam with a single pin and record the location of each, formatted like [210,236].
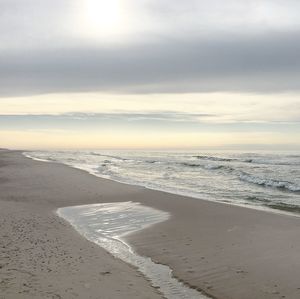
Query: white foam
[106,224]
[269,182]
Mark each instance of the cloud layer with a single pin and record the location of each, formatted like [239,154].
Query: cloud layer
[172,46]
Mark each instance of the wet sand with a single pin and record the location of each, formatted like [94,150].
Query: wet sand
[229,252]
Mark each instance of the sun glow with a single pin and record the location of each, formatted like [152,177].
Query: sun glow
[104,19]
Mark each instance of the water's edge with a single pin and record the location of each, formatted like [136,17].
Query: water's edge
[273,210]
[107,224]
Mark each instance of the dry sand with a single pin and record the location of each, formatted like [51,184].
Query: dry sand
[229,252]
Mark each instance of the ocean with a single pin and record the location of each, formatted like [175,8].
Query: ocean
[262,180]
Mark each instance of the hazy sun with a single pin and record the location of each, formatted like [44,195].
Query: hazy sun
[104,19]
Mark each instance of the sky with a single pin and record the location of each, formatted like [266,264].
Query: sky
[150,74]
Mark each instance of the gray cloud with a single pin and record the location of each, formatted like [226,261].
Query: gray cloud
[169,60]
[169,116]
[258,64]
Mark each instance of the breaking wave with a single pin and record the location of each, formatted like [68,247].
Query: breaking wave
[236,178]
[269,182]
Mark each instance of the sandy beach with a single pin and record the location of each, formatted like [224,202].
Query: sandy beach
[228,252]
[41,256]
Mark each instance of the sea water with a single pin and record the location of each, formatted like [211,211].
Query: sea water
[257,180]
[254,179]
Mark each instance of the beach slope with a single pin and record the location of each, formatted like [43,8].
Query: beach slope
[42,256]
[227,251]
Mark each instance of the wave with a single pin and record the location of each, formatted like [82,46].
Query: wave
[213,158]
[213,166]
[243,176]
[218,166]
[269,182]
[293,156]
[284,207]
[109,156]
[248,160]
[220,159]
[269,162]
[209,166]
[190,164]
[212,177]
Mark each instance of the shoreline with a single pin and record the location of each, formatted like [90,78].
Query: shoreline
[226,251]
[184,195]
[42,255]
[107,226]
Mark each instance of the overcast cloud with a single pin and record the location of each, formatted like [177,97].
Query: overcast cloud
[170,46]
